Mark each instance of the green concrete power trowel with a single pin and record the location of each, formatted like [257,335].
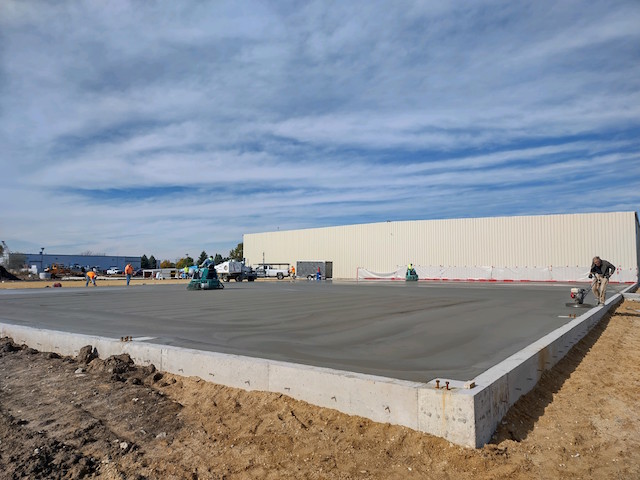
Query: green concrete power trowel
[207,279]
[411,275]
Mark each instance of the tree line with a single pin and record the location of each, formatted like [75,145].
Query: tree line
[187,261]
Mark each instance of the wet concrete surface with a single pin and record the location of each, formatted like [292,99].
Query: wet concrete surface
[407,331]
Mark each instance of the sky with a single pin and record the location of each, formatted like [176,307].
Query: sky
[167,128]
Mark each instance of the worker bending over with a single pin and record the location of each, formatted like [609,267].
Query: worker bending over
[91,277]
[600,271]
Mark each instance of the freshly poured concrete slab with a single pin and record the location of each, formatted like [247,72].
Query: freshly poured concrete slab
[413,332]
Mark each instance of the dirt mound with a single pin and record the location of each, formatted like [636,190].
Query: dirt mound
[5,275]
[120,367]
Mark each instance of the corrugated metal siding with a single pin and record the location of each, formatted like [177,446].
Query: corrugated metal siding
[638,245]
[532,241]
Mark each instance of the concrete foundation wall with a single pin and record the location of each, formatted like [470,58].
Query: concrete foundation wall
[465,416]
[501,386]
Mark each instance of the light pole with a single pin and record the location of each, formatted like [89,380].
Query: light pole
[42,259]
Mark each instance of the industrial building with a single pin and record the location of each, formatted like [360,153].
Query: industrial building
[525,248]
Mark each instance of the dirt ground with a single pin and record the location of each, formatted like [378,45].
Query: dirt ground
[92,418]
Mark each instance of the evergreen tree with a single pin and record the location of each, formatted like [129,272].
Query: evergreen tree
[153,262]
[238,252]
[218,259]
[144,262]
[202,258]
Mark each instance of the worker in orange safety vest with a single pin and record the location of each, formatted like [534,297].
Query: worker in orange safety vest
[91,277]
[128,271]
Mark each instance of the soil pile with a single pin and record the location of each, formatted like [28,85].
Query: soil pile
[86,417]
[5,275]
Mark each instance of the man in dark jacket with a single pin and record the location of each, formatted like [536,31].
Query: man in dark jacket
[601,270]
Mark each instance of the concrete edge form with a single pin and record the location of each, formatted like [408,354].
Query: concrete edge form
[465,413]
[498,388]
[378,398]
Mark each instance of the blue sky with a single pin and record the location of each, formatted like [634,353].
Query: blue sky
[167,128]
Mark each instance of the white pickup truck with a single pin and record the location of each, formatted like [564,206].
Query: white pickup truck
[277,270]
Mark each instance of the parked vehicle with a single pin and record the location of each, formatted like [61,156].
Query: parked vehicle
[234,270]
[277,270]
[113,271]
[310,270]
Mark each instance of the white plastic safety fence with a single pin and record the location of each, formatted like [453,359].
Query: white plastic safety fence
[499,274]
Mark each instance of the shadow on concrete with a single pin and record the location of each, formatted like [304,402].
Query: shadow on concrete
[523,415]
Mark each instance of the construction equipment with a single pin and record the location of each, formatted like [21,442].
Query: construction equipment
[207,279]
[411,275]
[58,270]
[578,294]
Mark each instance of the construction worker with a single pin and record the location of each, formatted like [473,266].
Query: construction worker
[292,272]
[128,271]
[600,271]
[91,277]
[207,262]
[185,272]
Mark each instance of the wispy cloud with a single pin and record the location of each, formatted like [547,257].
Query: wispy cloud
[168,128]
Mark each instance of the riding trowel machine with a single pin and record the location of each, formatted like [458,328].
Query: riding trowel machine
[411,275]
[205,279]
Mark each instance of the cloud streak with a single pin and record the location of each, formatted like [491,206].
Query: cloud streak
[131,129]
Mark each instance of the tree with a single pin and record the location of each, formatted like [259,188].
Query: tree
[238,252]
[153,262]
[17,261]
[202,257]
[167,264]
[184,262]
[218,259]
[144,262]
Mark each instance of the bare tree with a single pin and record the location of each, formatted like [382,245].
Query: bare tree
[17,261]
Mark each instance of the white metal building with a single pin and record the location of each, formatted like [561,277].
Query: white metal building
[540,248]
